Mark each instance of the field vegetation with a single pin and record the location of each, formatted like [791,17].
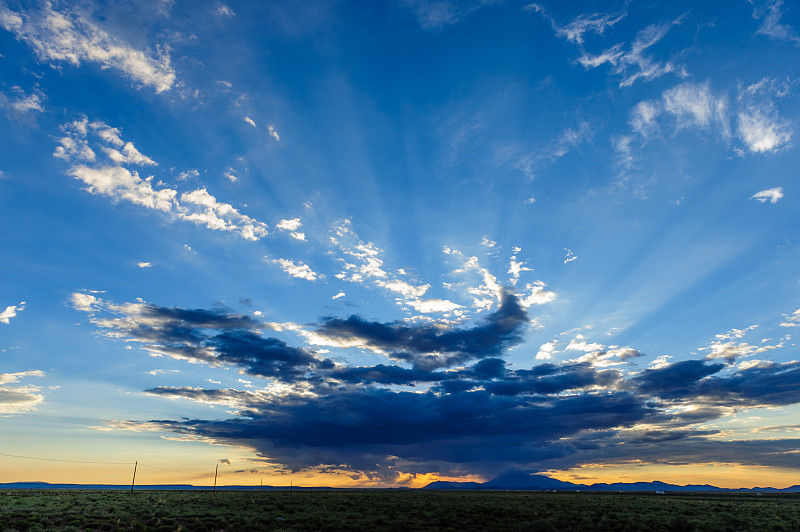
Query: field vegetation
[27,510]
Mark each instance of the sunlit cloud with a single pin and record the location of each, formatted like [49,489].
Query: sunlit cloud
[69,35]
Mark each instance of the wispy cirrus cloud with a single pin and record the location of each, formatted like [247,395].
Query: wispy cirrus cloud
[761,130]
[433,14]
[64,33]
[631,62]
[17,101]
[575,30]
[771,195]
[692,105]
[770,14]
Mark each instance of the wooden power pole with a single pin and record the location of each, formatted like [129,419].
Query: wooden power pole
[134,475]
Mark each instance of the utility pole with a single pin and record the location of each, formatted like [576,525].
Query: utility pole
[215,477]
[134,475]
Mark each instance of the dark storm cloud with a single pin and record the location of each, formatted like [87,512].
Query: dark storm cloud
[765,384]
[423,427]
[484,417]
[551,379]
[266,357]
[487,418]
[675,380]
[176,317]
[383,374]
[215,337]
[416,343]
[692,448]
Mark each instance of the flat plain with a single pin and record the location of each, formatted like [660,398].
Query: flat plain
[26,510]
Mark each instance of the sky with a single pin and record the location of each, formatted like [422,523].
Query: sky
[376,244]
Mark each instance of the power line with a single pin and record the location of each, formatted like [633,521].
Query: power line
[112,463]
[174,470]
[61,460]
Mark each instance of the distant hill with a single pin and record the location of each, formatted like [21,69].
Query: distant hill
[519,480]
[514,480]
[48,486]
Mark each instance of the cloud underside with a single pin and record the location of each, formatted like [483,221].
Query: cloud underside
[445,400]
[16,397]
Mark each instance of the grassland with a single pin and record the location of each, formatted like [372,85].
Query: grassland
[26,510]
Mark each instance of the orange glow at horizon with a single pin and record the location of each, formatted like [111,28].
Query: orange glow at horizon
[721,475]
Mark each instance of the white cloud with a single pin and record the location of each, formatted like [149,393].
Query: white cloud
[427,306]
[515,268]
[11,312]
[85,302]
[224,11]
[695,105]
[530,201]
[570,256]
[793,320]
[488,243]
[436,13]
[772,195]
[299,270]
[730,351]
[761,130]
[570,139]
[486,293]
[110,178]
[21,102]
[120,183]
[144,264]
[273,133]
[536,294]
[579,344]
[70,36]
[250,121]
[230,174]
[634,65]
[644,118]
[11,378]
[128,155]
[770,15]
[341,294]
[19,398]
[546,350]
[574,30]
[404,288]
[612,56]
[201,207]
[110,135]
[292,224]
[188,174]
[631,63]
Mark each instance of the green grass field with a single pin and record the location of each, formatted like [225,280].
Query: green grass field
[392,510]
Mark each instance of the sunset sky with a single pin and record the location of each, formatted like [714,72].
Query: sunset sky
[382,243]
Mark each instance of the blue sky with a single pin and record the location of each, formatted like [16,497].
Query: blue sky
[380,244]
